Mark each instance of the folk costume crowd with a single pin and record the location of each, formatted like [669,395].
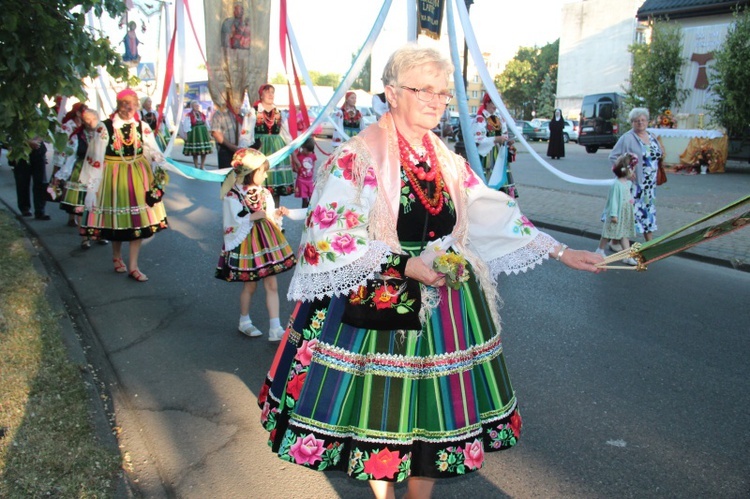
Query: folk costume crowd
[391,366]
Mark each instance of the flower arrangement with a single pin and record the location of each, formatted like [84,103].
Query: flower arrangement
[666,120]
[706,155]
[454,267]
[156,192]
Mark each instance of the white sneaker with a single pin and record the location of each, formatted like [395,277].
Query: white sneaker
[630,261]
[600,251]
[248,329]
[275,333]
[615,247]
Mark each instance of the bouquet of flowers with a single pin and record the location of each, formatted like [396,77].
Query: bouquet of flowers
[666,120]
[156,192]
[705,156]
[454,267]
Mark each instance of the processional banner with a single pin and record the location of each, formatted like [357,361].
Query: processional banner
[430,17]
[236,49]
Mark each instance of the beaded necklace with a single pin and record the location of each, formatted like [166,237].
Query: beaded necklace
[434,203]
[268,118]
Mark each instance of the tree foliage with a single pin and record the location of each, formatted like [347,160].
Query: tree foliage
[46,50]
[521,83]
[729,78]
[656,75]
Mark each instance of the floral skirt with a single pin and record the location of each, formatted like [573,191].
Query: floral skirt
[121,212]
[280,179]
[198,141]
[264,252]
[75,192]
[387,405]
[644,208]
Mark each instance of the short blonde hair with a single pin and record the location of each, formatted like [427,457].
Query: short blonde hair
[409,57]
[637,112]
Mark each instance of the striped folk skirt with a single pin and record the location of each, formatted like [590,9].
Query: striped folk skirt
[198,141]
[121,212]
[264,252]
[280,179]
[75,192]
[387,405]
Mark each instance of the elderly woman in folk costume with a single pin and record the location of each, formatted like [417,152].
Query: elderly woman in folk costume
[124,183]
[348,118]
[391,367]
[196,135]
[272,134]
[491,136]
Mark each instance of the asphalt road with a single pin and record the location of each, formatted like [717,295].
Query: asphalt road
[630,384]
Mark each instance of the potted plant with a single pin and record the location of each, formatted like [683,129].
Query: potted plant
[729,77]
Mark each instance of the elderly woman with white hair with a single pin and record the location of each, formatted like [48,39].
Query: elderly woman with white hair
[649,150]
[391,368]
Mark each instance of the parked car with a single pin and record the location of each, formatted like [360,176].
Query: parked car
[571,129]
[539,130]
[598,124]
[525,128]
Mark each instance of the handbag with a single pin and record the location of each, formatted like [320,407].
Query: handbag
[661,174]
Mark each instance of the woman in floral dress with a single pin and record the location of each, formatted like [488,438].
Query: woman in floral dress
[401,400]
[491,135]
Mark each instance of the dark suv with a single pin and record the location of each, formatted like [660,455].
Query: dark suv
[598,123]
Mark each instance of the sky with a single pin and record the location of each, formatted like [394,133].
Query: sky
[329,32]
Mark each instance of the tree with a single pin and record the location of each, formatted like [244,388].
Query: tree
[45,51]
[546,98]
[655,78]
[362,82]
[521,82]
[729,78]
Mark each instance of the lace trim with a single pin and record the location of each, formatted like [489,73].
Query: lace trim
[524,258]
[341,280]
[242,231]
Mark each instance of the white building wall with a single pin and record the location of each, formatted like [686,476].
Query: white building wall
[594,55]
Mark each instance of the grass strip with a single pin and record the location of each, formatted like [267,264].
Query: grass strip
[48,446]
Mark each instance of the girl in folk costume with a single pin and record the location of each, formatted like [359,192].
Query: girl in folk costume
[304,166]
[272,134]
[254,248]
[491,135]
[124,179]
[68,163]
[196,135]
[349,118]
[618,216]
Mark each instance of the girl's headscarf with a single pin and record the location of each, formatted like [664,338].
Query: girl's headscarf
[485,100]
[244,162]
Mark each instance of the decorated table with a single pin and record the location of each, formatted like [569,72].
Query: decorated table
[687,148]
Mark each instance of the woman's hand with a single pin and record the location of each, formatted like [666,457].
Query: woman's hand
[582,260]
[501,139]
[258,215]
[282,211]
[419,271]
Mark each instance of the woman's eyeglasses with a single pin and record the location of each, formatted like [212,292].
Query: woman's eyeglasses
[427,95]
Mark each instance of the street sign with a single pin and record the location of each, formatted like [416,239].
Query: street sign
[146,71]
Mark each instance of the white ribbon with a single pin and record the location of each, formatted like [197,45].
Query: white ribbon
[489,84]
